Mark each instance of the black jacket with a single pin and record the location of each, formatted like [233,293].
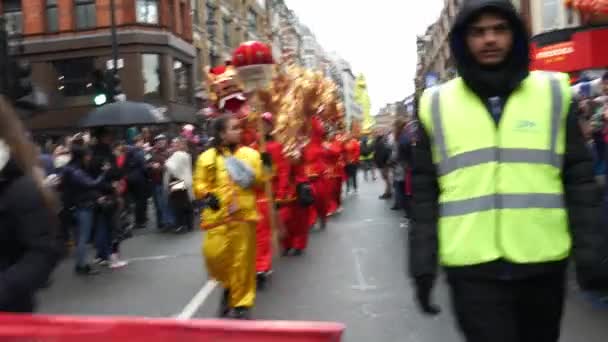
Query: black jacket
[581,193]
[28,249]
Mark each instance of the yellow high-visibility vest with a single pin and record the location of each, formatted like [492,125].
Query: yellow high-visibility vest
[501,192]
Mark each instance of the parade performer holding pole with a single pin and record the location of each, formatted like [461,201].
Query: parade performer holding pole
[281,188]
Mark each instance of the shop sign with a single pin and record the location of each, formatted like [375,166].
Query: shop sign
[554,53]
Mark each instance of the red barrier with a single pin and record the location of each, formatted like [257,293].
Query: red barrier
[26,328]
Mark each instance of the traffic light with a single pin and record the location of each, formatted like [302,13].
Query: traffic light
[100,92]
[113,85]
[21,79]
[15,74]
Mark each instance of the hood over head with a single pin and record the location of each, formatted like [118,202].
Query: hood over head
[503,79]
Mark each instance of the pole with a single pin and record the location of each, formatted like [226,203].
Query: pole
[114,35]
[272,212]
[4,56]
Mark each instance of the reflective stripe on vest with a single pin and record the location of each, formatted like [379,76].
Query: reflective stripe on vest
[500,185]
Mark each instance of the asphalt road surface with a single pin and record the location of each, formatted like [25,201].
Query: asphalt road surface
[353,273]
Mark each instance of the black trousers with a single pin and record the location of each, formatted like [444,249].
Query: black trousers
[526,310]
[351,172]
[138,195]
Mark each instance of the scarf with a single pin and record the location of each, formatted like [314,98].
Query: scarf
[239,172]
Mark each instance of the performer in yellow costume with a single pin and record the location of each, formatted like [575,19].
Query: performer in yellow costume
[224,179]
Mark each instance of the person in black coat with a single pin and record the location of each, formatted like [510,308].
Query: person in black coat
[500,300]
[28,219]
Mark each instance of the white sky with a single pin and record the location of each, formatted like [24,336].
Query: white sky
[377,37]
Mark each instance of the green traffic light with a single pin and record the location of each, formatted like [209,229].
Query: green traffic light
[100,99]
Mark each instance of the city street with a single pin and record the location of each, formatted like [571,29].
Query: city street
[354,273]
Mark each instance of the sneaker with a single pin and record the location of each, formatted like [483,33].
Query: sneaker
[115,262]
[86,270]
[339,210]
[100,262]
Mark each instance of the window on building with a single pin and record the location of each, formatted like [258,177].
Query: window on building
[183,81]
[226,24]
[194,9]
[185,17]
[75,76]
[85,14]
[214,59]
[171,16]
[13,16]
[252,20]
[550,14]
[570,16]
[197,66]
[147,11]
[52,21]
[210,21]
[150,69]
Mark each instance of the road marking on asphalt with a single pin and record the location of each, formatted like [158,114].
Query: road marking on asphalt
[362,283]
[197,301]
[161,257]
[151,258]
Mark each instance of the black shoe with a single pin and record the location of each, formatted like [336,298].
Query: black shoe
[86,270]
[241,313]
[261,280]
[224,308]
[286,252]
[395,208]
[298,252]
[180,229]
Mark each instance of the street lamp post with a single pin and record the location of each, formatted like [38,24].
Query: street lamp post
[114,35]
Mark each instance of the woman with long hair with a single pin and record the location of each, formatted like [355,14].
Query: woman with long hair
[28,248]
[224,180]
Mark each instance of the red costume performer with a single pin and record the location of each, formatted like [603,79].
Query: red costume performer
[353,153]
[315,166]
[308,170]
[283,191]
[334,159]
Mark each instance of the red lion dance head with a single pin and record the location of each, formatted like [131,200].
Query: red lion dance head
[225,90]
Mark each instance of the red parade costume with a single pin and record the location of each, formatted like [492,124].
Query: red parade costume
[284,192]
[309,169]
[313,154]
[334,158]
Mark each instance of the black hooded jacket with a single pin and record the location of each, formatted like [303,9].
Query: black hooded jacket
[581,193]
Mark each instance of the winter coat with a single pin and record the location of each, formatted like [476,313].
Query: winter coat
[79,188]
[28,250]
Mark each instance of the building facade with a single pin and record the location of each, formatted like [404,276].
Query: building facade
[68,41]
[342,74]
[219,26]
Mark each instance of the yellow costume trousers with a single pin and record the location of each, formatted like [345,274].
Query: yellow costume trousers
[229,252]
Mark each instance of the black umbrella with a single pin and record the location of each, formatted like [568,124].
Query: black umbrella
[125,113]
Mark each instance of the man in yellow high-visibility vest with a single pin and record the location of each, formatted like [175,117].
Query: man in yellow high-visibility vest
[503,186]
